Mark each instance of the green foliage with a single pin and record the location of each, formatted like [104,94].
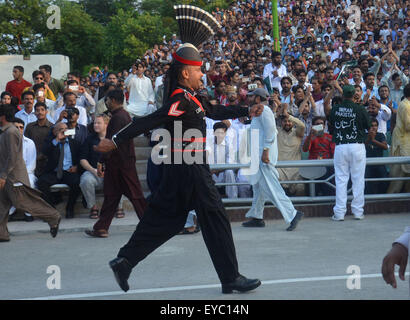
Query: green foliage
[93,32]
[20,24]
[80,38]
[129,34]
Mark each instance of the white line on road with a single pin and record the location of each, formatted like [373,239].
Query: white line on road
[209,286]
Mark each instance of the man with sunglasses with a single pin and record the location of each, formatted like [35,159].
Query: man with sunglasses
[39,78]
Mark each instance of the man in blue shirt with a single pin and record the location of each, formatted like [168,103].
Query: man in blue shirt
[62,167]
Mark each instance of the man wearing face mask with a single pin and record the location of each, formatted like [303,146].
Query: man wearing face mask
[265,182]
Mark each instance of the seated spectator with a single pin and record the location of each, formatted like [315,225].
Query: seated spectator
[16,86]
[320,146]
[27,114]
[219,152]
[375,146]
[39,91]
[70,101]
[62,167]
[29,156]
[290,135]
[72,115]
[381,112]
[7,98]
[38,131]
[90,181]
[39,78]
[83,99]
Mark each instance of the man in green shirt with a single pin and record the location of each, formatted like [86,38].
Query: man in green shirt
[348,124]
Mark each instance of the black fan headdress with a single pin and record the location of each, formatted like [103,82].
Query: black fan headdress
[195,27]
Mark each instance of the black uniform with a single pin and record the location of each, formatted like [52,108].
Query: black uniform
[184,186]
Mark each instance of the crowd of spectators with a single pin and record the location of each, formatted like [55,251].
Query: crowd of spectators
[321,50]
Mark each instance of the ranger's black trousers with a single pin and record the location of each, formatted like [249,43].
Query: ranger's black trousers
[183,188]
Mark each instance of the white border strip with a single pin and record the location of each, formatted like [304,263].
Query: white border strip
[209,286]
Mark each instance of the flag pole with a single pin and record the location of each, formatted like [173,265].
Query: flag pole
[275,28]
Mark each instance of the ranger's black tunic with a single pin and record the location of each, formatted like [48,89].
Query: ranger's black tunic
[184,186]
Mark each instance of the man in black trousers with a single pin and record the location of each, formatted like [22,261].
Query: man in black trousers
[184,186]
[62,167]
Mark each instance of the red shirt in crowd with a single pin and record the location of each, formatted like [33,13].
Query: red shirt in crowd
[16,88]
[321,147]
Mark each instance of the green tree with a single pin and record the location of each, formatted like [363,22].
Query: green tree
[102,10]
[20,24]
[129,34]
[80,38]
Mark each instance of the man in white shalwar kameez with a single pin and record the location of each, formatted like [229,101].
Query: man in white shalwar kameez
[142,96]
[265,182]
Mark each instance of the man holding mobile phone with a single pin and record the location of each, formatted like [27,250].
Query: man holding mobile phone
[62,166]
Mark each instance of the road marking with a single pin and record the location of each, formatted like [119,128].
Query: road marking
[208,286]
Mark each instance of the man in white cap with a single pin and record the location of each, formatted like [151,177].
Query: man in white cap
[265,182]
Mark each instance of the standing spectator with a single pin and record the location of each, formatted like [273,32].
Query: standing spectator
[142,97]
[348,123]
[101,106]
[90,181]
[357,78]
[320,146]
[371,89]
[38,78]
[29,156]
[38,132]
[375,146]
[265,182]
[16,86]
[121,179]
[219,152]
[286,93]
[395,82]
[381,112]
[401,144]
[275,71]
[15,187]
[290,135]
[55,85]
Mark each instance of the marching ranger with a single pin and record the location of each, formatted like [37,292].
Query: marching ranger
[184,186]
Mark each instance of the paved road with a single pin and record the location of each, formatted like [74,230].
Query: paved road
[309,263]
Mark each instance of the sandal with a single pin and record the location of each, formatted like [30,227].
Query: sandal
[186,231]
[119,213]
[94,213]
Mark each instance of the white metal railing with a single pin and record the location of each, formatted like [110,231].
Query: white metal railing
[312,198]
